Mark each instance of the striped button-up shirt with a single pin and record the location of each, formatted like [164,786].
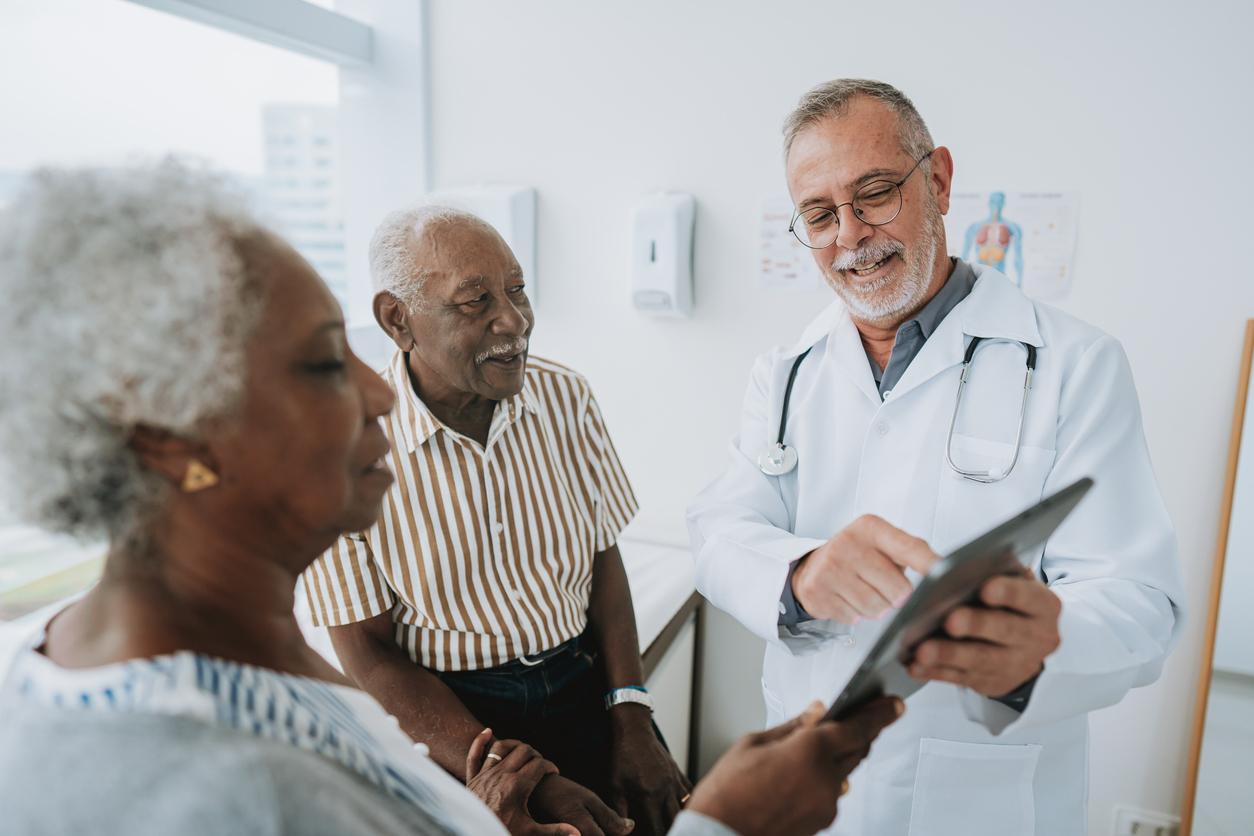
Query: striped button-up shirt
[483,554]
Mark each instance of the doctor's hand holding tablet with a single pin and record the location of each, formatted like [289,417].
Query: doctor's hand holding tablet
[992,649]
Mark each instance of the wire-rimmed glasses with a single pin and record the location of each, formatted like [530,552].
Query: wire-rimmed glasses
[875,204]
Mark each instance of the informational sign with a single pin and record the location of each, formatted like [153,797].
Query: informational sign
[786,262]
[1029,236]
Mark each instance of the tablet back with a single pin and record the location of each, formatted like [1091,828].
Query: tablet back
[954,580]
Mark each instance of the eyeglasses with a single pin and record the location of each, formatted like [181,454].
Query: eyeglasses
[875,204]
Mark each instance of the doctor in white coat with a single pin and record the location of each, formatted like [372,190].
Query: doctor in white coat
[816,560]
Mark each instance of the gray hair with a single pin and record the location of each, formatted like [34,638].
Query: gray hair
[127,302]
[392,266]
[832,99]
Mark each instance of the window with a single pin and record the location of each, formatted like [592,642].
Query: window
[320,116]
[159,84]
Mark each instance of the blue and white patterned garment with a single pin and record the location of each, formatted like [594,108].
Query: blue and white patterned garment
[335,722]
[339,725]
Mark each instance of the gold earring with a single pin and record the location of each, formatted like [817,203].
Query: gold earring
[198,477]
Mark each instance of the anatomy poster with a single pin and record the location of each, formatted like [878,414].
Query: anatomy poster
[1029,236]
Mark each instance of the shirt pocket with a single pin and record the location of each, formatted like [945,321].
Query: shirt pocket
[965,509]
[976,789]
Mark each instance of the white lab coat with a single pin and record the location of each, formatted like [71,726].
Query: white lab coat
[957,764]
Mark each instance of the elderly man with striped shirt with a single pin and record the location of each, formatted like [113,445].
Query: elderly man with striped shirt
[491,591]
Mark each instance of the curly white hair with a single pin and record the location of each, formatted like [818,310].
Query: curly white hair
[126,302]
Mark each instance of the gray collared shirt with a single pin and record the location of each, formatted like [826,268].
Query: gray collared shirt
[914,332]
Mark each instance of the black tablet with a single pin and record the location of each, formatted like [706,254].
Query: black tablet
[952,581]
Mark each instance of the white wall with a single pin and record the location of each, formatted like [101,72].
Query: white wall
[1144,108]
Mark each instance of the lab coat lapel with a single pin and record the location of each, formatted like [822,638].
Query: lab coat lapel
[995,309]
[850,356]
[844,345]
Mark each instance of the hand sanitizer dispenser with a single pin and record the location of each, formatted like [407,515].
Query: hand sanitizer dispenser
[661,254]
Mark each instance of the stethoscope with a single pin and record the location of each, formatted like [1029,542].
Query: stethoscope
[779,459]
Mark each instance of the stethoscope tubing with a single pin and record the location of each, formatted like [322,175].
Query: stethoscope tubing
[982,476]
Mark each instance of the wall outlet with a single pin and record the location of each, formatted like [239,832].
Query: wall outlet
[1129,821]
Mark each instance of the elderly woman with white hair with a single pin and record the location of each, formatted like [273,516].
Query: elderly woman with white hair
[177,380]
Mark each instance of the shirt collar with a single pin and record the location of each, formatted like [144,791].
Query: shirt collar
[954,290]
[418,424]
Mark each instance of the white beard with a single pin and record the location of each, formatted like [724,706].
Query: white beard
[882,302]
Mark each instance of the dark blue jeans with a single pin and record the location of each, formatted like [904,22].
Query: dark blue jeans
[557,706]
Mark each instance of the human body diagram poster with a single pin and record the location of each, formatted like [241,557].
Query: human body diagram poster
[1029,236]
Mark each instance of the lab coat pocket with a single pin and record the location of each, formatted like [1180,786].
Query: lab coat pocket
[966,509]
[976,789]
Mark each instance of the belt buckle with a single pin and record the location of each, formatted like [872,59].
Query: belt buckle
[545,655]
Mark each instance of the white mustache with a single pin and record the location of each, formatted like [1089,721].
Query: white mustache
[508,349]
[868,255]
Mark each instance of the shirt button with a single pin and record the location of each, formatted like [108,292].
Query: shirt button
[497,528]
[848,641]
[781,608]
[887,392]
[515,594]
[882,428]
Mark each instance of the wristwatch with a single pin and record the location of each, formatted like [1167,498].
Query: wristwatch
[637,694]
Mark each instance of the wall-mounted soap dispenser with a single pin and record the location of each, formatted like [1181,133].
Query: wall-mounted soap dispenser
[661,254]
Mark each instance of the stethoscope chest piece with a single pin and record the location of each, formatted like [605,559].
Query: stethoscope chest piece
[777,460]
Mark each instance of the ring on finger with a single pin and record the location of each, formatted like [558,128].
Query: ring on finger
[684,800]
[493,756]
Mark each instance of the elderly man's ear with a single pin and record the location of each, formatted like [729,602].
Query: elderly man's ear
[189,465]
[392,315]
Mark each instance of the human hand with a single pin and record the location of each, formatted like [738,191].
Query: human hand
[787,780]
[507,779]
[645,782]
[997,647]
[858,573]
[559,799]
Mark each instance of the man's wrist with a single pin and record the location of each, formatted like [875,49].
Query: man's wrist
[628,695]
[630,708]
[791,611]
[628,720]
[1018,697]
